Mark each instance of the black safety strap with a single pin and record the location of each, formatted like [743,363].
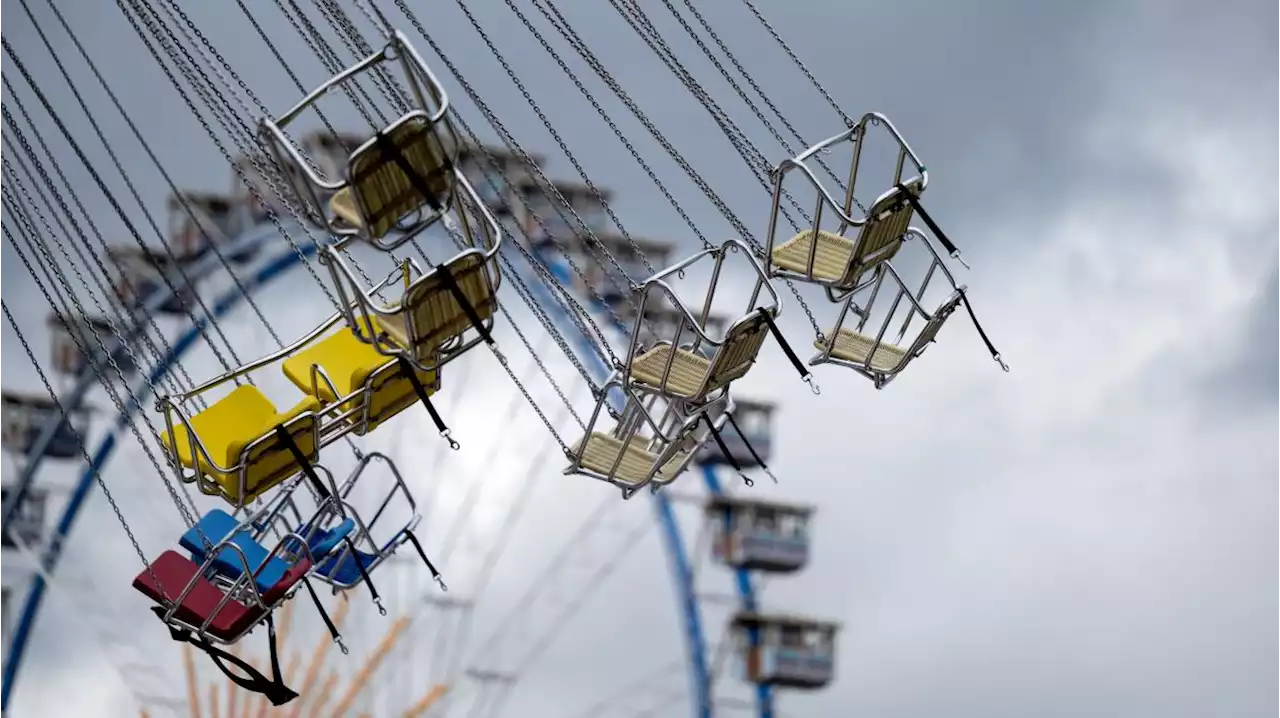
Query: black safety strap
[995,353]
[751,449]
[286,440]
[423,554]
[328,622]
[451,284]
[407,370]
[725,450]
[805,374]
[392,150]
[364,574]
[253,681]
[933,226]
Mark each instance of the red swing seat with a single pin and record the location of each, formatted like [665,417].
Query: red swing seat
[174,571]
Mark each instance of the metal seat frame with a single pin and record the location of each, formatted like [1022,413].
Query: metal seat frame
[843,209]
[433,107]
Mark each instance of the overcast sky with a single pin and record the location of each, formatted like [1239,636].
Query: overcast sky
[1093,533]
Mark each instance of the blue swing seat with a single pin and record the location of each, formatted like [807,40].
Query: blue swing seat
[218,524]
[342,570]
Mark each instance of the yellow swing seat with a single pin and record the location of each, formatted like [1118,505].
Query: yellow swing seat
[238,433]
[371,386]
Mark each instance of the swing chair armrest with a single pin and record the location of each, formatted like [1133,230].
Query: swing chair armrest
[937,258]
[493,237]
[873,119]
[263,361]
[363,298]
[400,486]
[323,89]
[905,291]
[195,443]
[303,548]
[791,164]
[413,62]
[362,529]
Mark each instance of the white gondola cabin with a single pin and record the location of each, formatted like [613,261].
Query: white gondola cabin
[25,416]
[28,521]
[393,185]
[69,347]
[144,273]
[198,218]
[786,651]
[759,535]
[496,187]
[752,426]
[242,445]
[839,257]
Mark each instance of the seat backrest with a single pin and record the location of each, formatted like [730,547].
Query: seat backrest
[325,541]
[386,189]
[738,352]
[437,315]
[879,239]
[212,527]
[930,330]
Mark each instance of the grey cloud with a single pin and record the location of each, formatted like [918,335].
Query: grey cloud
[1116,568]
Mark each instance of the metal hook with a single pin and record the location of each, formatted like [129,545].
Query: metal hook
[1000,361]
[452,444]
[956,256]
[770,474]
[381,610]
[440,581]
[813,385]
[341,646]
[746,480]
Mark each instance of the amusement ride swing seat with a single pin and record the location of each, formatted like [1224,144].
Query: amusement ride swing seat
[427,325]
[241,445]
[392,178]
[360,553]
[639,450]
[830,258]
[685,374]
[877,359]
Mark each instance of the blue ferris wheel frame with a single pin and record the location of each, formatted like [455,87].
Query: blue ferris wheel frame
[273,269]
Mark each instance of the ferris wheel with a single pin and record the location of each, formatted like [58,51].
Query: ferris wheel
[308,512]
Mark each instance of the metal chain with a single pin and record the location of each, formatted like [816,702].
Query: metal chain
[55,548]
[107,385]
[118,306]
[44,101]
[119,309]
[787,48]
[752,82]
[509,140]
[180,196]
[558,138]
[587,55]
[754,158]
